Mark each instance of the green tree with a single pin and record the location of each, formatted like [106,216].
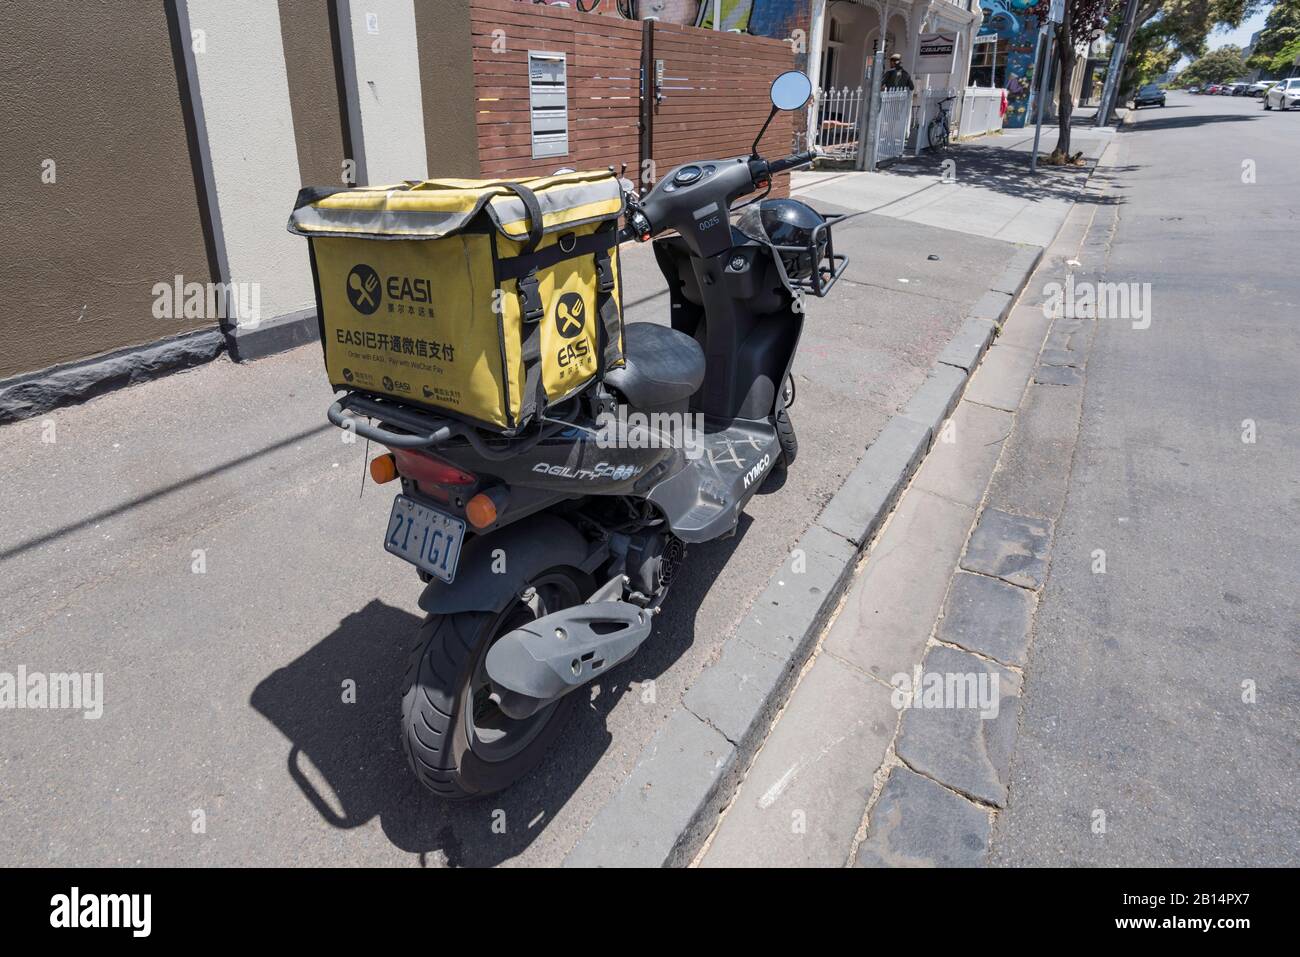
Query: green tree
[1168,30]
[1281,31]
[1082,20]
[1217,66]
[1286,59]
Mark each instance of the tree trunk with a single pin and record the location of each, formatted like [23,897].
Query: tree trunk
[1065,58]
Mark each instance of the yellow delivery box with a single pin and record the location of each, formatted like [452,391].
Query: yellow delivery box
[479,299]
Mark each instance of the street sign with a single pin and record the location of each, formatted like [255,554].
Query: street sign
[936,52]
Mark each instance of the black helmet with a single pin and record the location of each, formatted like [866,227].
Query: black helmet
[787,222]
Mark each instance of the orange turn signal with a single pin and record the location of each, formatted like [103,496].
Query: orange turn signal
[383,469]
[481,510]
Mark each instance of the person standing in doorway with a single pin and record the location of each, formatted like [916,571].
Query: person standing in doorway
[896,76]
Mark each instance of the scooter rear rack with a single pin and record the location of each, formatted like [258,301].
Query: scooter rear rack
[424,430]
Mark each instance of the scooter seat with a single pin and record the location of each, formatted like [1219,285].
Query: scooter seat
[662,366]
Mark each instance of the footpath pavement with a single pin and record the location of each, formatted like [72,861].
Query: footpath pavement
[982,188]
[206,542]
[688,774]
[895,747]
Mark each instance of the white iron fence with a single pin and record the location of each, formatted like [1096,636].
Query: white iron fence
[838,114]
[981,110]
[895,122]
[974,111]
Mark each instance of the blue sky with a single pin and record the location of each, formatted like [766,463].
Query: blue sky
[1240,36]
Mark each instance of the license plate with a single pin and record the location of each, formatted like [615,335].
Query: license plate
[425,537]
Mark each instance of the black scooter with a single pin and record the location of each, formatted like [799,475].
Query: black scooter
[546,556]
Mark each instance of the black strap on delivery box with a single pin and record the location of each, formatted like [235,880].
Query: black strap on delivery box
[523,269]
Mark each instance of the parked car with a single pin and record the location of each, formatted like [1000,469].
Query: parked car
[1193,89]
[1212,88]
[1149,95]
[1260,88]
[1235,89]
[1284,96]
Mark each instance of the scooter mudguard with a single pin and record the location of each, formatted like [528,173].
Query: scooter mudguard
[496,567]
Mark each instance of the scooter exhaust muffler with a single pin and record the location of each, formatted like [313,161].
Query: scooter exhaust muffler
[545,659]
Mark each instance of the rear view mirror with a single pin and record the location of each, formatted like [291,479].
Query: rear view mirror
[791,90]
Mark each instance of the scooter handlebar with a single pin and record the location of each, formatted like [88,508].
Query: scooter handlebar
[790,162]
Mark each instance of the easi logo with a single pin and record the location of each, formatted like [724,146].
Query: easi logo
[38,691]
[947,690]
[570,322]
[570,314]
[366,290]
[1099,300]
[757,470]
[75,910]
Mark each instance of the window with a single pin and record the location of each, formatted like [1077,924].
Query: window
[984,61]
[831,55]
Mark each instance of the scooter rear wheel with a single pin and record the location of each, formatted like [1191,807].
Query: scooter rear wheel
[458,743]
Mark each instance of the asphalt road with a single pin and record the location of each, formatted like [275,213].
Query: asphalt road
[202,541]
[1139,713]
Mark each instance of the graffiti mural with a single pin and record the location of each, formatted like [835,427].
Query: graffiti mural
[1015,25]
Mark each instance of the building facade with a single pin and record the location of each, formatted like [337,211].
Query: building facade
[848,33]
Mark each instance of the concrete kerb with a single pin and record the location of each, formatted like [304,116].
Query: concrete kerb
[664,811]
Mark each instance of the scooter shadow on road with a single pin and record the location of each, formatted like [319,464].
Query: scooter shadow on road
[346,760]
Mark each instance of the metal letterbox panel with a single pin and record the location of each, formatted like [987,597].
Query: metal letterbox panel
[545,67]
[550,144]
[550,121]
[541,97]
[548,100]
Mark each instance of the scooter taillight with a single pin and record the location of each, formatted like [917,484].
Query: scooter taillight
[424,468]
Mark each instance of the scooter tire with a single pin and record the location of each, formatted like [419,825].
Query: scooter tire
[785,434]
[439,737]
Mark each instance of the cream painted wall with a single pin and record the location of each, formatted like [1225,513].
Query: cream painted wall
[241,93]
[382,63]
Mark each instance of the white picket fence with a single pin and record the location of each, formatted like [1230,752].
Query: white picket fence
[895,123]
[981,110]
[975,111]
[839,112]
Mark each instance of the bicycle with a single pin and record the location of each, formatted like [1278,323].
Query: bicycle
[939,132]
